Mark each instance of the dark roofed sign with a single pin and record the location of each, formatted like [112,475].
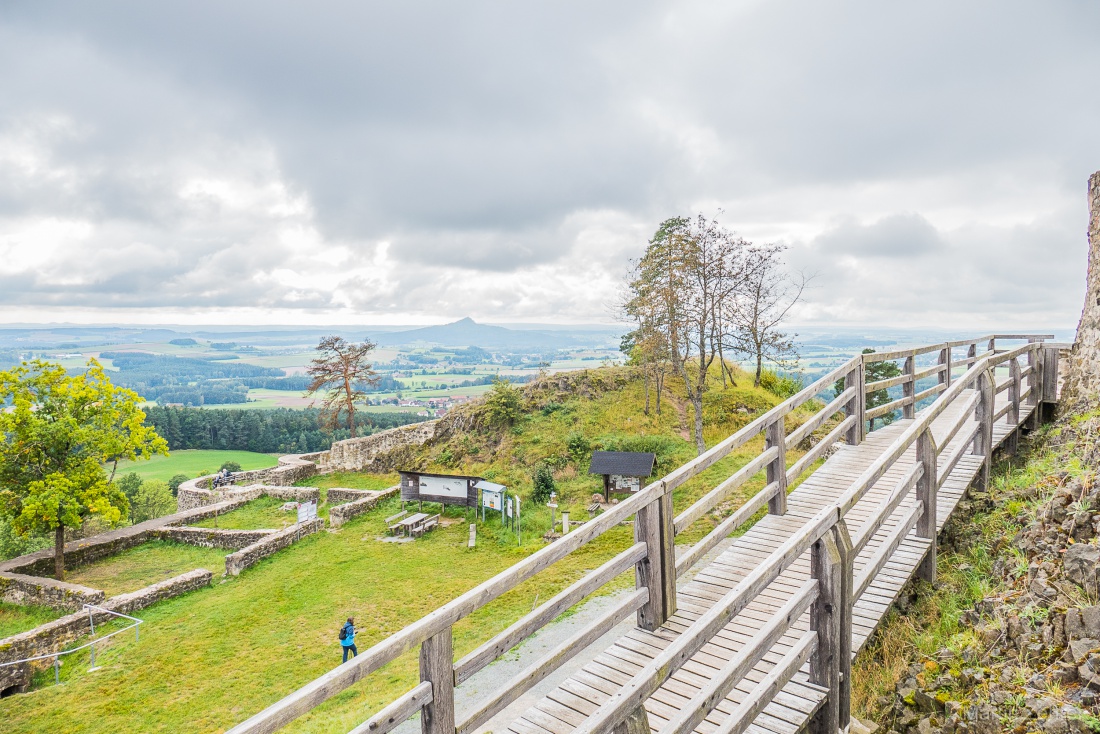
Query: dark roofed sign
[622,470]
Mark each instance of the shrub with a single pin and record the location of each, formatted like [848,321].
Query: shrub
[578,445]
[502,403]
[783,386]
[231,466]
[153,499]
[175,482]
[543,479]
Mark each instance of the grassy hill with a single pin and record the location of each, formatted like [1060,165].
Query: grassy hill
[212,658]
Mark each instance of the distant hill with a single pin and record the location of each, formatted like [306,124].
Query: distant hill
[467,332]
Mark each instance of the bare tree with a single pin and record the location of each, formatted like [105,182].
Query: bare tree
[765,296]
[689,267]
[341,368]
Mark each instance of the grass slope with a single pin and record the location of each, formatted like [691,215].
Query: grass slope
[211,659]
[146,564]
[194,463]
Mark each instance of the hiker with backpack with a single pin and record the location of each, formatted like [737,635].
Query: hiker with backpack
[347,639]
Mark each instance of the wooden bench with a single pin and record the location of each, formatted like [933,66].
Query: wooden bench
[428,524]
[393,522]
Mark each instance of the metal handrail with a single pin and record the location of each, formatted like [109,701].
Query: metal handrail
[92,608]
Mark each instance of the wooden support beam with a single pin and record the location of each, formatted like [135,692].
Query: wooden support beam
[653,525]
[926,494]
[945,362]
[826,566]
[775,435]
[983,413]
[857,406]
[437,668]
[909,388]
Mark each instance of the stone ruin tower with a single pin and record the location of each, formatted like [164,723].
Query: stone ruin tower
[1082,385]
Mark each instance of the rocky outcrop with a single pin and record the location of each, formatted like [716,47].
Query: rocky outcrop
[1082,385]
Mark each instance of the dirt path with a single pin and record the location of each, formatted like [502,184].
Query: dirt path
[681,410]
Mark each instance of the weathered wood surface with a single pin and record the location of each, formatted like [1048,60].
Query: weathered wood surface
[573,704]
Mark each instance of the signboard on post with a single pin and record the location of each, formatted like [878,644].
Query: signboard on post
[492,497]
[447,489]
[307,511]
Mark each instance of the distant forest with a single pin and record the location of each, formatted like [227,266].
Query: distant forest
[280,430]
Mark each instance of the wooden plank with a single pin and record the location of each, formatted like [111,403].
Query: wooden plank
[816,452]
[724,529]
[711,499]
[437,667]
[818,419]
[397,712]
[763,693]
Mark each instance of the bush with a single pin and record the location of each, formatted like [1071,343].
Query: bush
[783,386]
[543,479]
[175,482]
[231,466]
[154,499]
[502,403]
[578,445]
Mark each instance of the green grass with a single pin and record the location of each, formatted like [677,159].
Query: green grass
[146,564]
[256,515]
[16,618]
[194,463]
[351,480]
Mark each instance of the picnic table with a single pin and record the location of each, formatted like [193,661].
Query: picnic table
[411,524]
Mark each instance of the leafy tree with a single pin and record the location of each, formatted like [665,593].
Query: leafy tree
[153,499]
[232,466]
[58,434]
[130,484]
[341,368]
[873,373]
[175,482]
[543,479]
[502,403]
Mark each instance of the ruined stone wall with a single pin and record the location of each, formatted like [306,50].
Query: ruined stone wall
[242,559]
[17,588]
[340,514]
[1083,375]
[355,454]
[61,633]
[211,537]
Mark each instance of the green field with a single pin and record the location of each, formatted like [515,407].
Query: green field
[195,463]
[16,618]
[146,564]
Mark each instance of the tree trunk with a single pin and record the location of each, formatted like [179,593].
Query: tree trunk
[697,403]
[759,369]
[660,380]
[59,553]
[645,378]
[1083,379]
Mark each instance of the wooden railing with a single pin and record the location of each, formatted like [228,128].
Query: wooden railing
[828,595]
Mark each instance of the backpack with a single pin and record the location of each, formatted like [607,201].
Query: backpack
[343,633]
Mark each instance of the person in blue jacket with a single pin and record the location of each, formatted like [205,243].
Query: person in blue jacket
[347,639]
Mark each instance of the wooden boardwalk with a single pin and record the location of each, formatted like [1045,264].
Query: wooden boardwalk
[760,639]
[561,711]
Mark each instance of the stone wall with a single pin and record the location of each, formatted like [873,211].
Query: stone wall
[246,557]
[61,633]
[340,514]
[87,550]
[16,588]
[191,496]
[1082,387]
[355,454]
[211,537]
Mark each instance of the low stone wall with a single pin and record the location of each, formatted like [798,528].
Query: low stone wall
[340,495]
[16,588]
[242,559]
[354,454]
[294,494]
[87,550]
[191,496]
[340,514]
[211,537]
[57,635]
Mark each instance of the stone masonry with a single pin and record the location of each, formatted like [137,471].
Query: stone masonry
[367,500]
[249,556]
[16,588]
[211,537]
[1083,376]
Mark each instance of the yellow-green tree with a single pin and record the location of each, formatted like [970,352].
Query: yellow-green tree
[58,433]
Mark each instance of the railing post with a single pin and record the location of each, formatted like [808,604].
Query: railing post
[971,355]
[945,362]
[927,491]
[1033,383]
[776,435]
[909,387]
[1050,375]
[983,412]
[857,406]
[1014,390]
[437,666]
[657,571]
[828,566]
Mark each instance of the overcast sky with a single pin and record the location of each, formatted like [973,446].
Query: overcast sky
[416,162]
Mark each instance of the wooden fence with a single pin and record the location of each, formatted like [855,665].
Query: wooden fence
[829,594]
